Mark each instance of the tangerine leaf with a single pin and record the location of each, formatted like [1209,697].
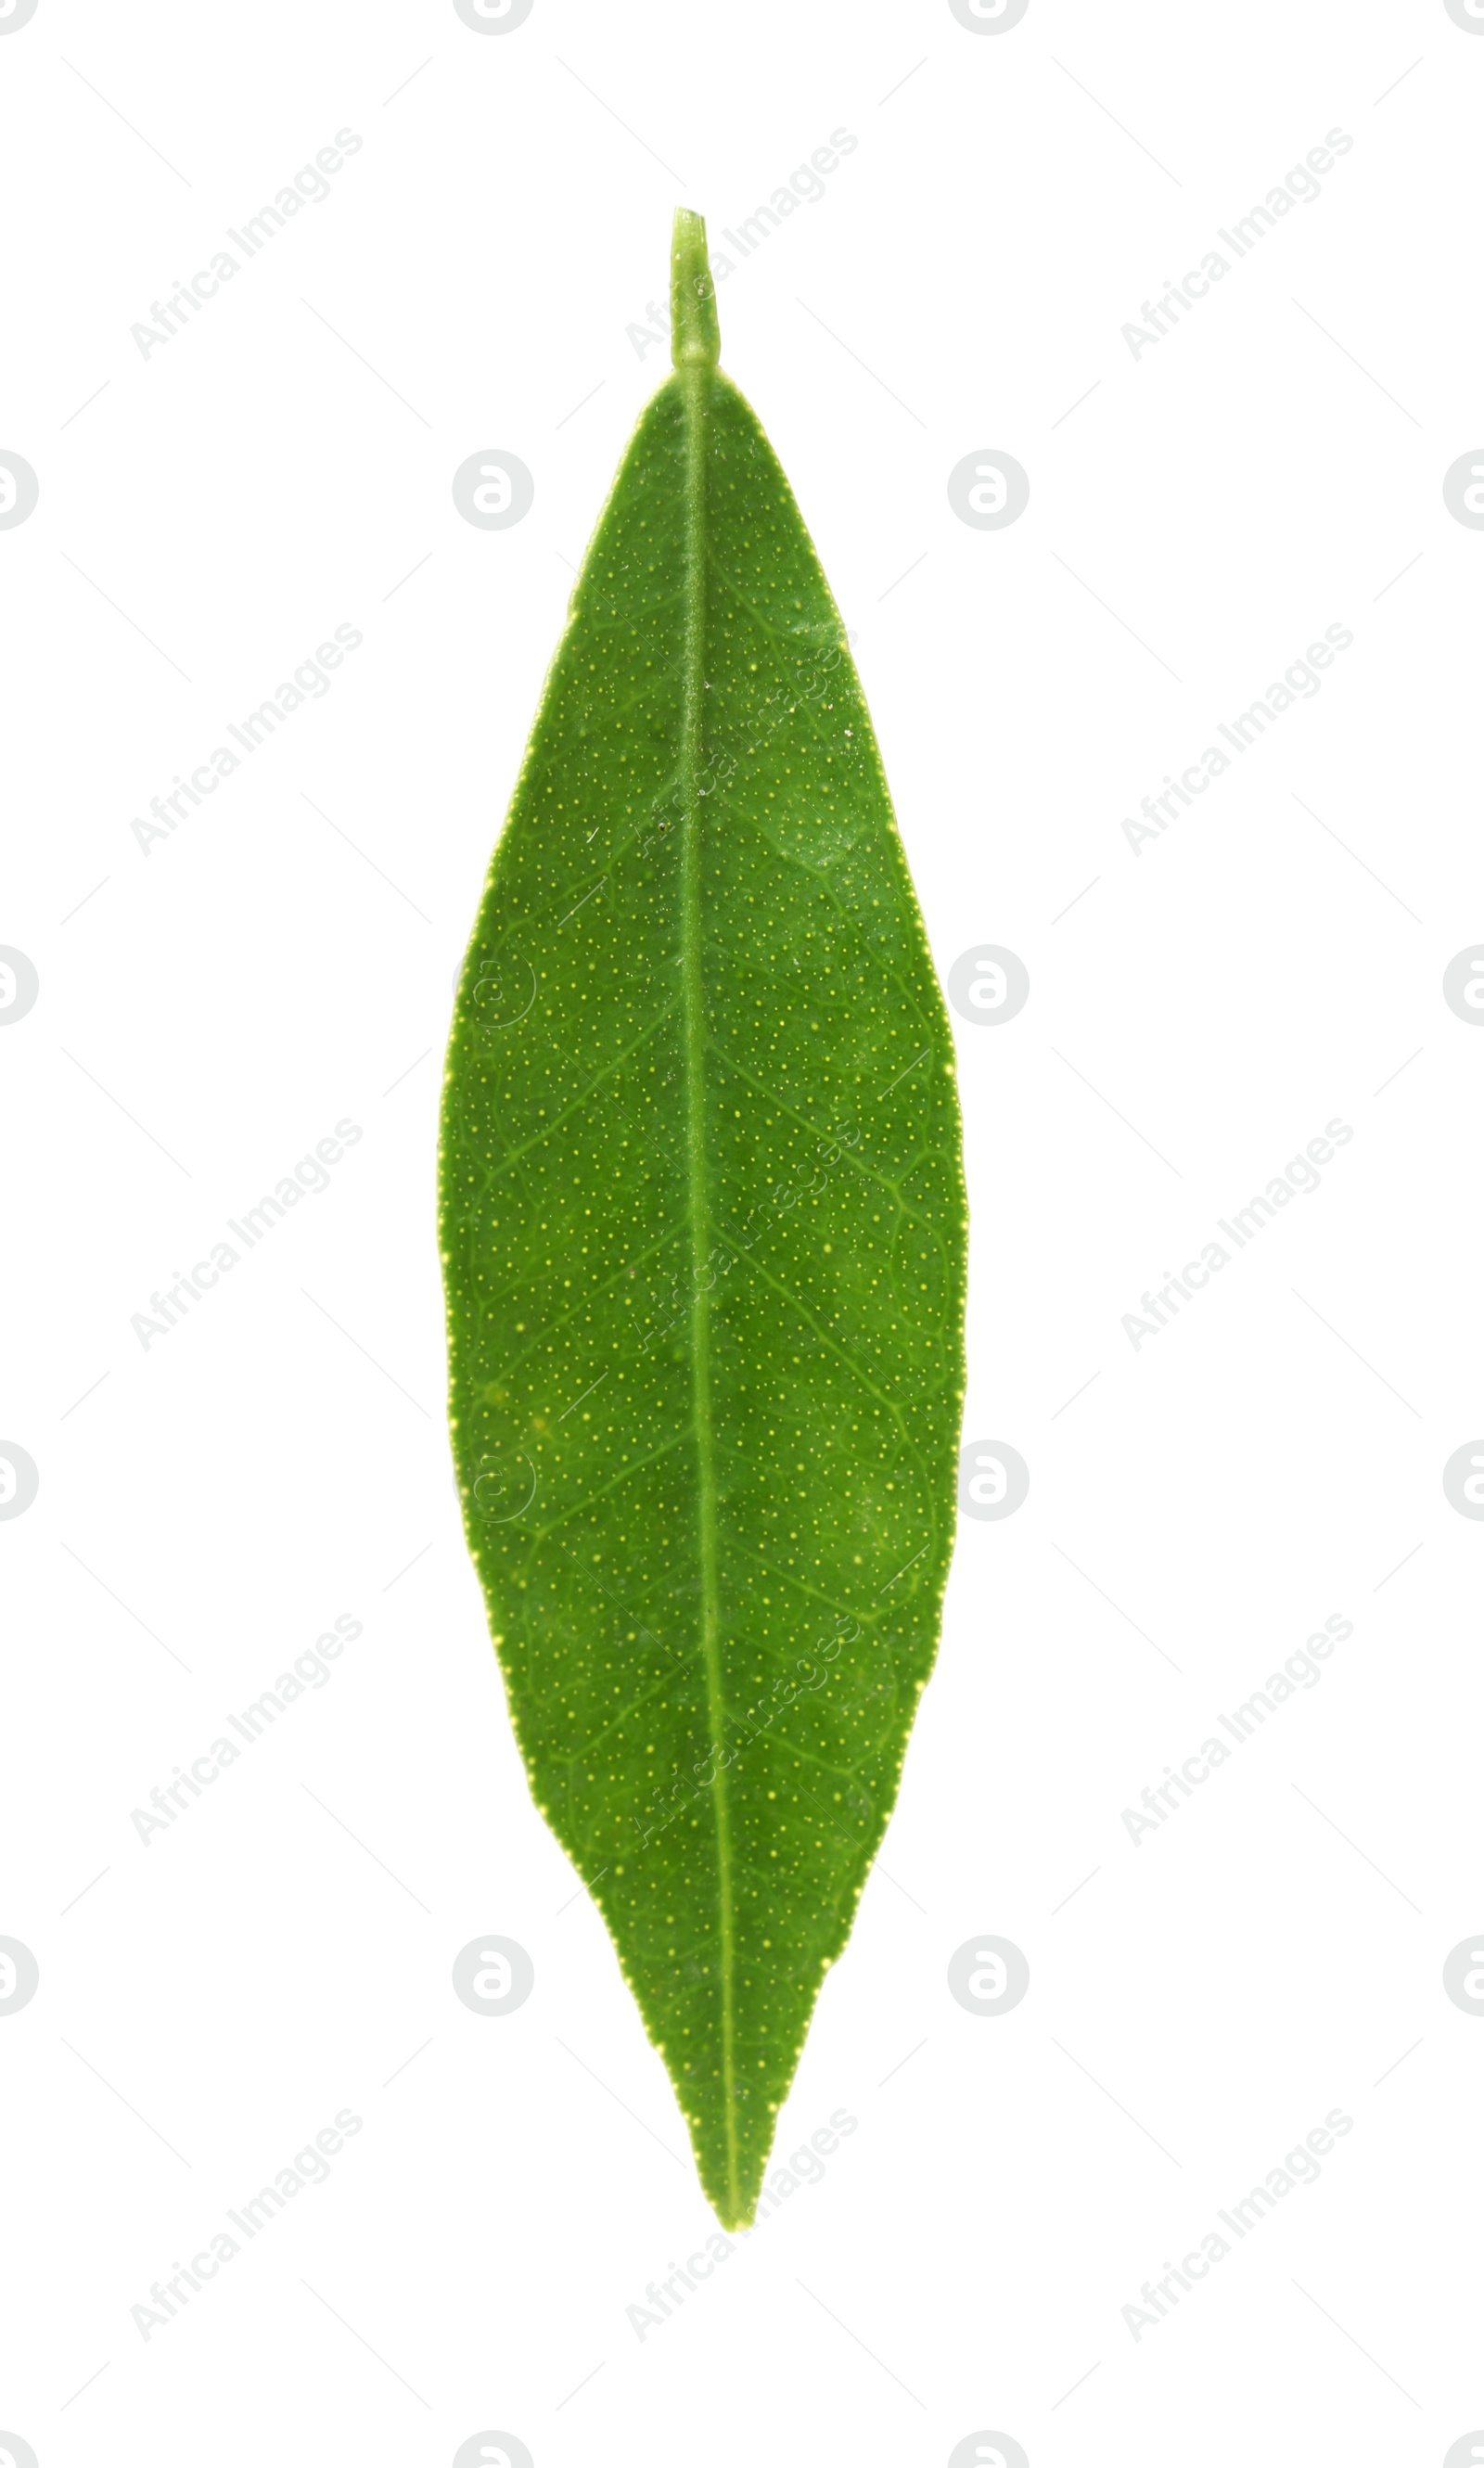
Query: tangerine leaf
[703,1235]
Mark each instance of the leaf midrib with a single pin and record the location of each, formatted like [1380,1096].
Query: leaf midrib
[694,382]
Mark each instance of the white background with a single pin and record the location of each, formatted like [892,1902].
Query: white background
[208,1012]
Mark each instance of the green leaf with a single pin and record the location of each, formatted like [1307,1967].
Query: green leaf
[704,1230]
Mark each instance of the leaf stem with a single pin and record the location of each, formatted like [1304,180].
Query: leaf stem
[695,335]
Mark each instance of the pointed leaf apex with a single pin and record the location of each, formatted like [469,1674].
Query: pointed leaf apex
[694,335]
